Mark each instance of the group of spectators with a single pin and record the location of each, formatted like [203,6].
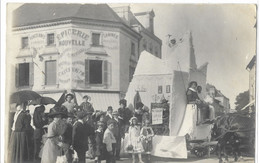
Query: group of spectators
[76,132]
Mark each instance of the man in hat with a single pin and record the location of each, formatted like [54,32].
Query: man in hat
[124,113]
[85,105]
[109,115]
[118,132]
[109,139]
[69,104]
[80,136]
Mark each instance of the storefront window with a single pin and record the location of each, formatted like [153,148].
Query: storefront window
[50,72]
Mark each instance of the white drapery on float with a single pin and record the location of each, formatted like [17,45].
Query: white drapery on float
[150,74]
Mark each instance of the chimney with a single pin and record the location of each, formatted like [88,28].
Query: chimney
[146,19]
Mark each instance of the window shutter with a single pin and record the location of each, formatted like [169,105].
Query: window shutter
[109,73]
[87,72]
[31,74]
[105,73]
[17,75]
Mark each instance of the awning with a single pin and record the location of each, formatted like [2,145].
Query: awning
[100,101]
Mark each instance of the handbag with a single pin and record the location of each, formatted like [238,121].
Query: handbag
[62,159]
[130,147]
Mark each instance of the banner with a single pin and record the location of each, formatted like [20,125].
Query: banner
[157,114]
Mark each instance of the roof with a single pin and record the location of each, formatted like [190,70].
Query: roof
[134,21]
[148,64]
[32,13]
[251,63]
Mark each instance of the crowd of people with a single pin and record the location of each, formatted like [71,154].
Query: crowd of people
[74,132]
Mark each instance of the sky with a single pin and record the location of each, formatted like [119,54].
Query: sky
[223,35]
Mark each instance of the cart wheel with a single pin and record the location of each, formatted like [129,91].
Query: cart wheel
[199,152]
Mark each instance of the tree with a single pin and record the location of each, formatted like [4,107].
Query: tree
[242,100]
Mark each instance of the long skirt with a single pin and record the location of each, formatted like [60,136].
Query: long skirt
[50,151]
[19,148]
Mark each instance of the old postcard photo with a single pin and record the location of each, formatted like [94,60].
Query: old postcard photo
[130,82]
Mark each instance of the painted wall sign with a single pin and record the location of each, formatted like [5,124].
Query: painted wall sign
[72,42]
[111,40]
[72,32]
[37,43]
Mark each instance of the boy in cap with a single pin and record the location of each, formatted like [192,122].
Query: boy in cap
[80,136]
[108,140]
[100,146]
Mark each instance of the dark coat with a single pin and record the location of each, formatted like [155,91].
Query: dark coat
[100,146]
[118,129]
[126,114]
[80,136]
[192,96]
[19,142]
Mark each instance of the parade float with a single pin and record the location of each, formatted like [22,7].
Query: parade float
[166,80]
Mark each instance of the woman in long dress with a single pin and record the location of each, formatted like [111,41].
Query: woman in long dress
[54,145]
[19,141]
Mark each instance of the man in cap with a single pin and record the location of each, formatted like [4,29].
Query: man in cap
[69,104]
[80,136]
[124,113]
[118,133]
[85,105]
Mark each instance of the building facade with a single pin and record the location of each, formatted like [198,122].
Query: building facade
[251,68]
[72,47]
[220,101]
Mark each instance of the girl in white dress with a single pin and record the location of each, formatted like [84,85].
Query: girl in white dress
[135,140]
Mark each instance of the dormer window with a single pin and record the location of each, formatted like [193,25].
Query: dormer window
[96,39]
[50,39]
[25,42]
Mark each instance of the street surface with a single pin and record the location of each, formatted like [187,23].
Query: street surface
[193,159]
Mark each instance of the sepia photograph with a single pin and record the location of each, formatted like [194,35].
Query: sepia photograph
[130,82]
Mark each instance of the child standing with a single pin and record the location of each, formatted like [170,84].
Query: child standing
[100,147]
[108,140]
[135,140]
[146,137]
